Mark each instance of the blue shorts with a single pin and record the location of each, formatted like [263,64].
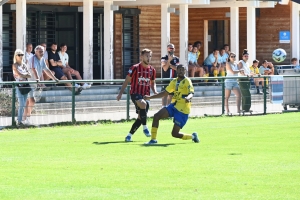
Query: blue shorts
[58,72]
[180,118]
[231,84]
[30,94]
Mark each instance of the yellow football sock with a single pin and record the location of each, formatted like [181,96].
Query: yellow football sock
[187,137]
[206,75]
[222,73]
[215,73]
[153,133]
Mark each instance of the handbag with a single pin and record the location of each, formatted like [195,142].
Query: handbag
[24,88]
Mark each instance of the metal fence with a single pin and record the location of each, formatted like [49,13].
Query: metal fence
[57,104]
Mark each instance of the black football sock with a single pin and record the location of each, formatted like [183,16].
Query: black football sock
[135,126]
[143,115]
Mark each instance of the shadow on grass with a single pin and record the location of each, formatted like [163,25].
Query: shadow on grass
[115,142]
[160,145]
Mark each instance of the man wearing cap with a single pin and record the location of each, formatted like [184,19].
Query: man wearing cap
[168,65]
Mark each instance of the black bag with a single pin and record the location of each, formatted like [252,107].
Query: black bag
[24,88]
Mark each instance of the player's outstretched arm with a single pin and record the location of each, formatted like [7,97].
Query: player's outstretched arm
[189,97]
[153,87]
[155,96]
[127,80]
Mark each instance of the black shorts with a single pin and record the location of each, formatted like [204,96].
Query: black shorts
[58,72]
[136,97]
[163,88]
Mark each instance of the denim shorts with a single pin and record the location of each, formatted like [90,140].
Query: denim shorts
[231,84]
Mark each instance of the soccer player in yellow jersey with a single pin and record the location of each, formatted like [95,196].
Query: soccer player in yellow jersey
[179,108]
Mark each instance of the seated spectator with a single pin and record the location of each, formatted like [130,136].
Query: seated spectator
[213,64]
[193,63]
[28,53]
[45,76]
[226,47]
[68,71]
[198,44]
[254,69]
[223,56]
[190,47]
[294,61]
[267,68]
[56,66]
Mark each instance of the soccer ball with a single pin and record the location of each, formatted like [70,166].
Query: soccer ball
[279,55]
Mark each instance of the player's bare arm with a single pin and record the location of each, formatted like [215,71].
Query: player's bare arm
[153,86]
[156,96]
[189,97]
[126,82]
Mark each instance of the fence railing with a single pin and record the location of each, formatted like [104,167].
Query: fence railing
[65,103]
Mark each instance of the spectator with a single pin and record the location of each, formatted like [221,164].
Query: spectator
[28,53]
[45,77]
[36,65]
[226,47]
[56,66]
[254,69]
[245,82]
[213,64]
[223,59]
[168,65]
[232,84]
[190,47]
[68,71]
[267,68]
[193,63]
[198,44]
[294,61]
[20,73]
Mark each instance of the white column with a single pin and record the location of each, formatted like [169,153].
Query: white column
[21,24]
[295,41]
[108,40]
[234,30]
[251,33]
[165,27]
[184,30]
[205,42]
[1,49]
[88,39]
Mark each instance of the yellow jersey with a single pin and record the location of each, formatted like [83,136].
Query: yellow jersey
[181,89]
[198,54]
[254,70]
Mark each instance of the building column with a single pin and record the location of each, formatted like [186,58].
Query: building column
[108,40]
[88,39]
[1,45]
[234,31]
[183,35]
[251,33]
[165,27]
[295,26]
[21,24]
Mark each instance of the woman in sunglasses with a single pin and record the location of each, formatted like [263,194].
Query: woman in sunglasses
[245,82]
[231,84]
[20,73]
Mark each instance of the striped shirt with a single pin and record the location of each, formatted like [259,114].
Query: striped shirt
[140,79]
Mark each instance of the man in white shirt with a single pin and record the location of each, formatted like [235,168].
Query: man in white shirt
[67,70]
[28,53]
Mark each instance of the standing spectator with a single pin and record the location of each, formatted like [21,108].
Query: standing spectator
[141,77]
[245,82]
[232,84]
[68,71]
[194,67]
[20,73]
[36,65]
[179,109]
[168,65]
[28,53]
[56,66]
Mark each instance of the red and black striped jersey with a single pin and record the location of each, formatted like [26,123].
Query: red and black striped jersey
[141,78]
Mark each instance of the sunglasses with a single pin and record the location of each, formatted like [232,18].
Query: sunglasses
[20,55]
[232,56]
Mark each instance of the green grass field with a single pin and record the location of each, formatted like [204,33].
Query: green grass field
[256,157]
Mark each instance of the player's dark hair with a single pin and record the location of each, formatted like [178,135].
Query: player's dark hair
[245,52]
[179,66]
[53,43]
[255,61]
[62,45]
[225,45]
[265,61]
[294,59]
[145,51]
[197,42]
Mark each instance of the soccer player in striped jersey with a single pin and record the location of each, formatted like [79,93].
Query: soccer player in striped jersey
[141,77]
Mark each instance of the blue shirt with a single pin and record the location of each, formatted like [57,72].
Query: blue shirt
[192,57]
[210,59]
[223,59]
[39,65]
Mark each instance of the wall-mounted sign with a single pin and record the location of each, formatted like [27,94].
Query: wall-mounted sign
[284,37]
